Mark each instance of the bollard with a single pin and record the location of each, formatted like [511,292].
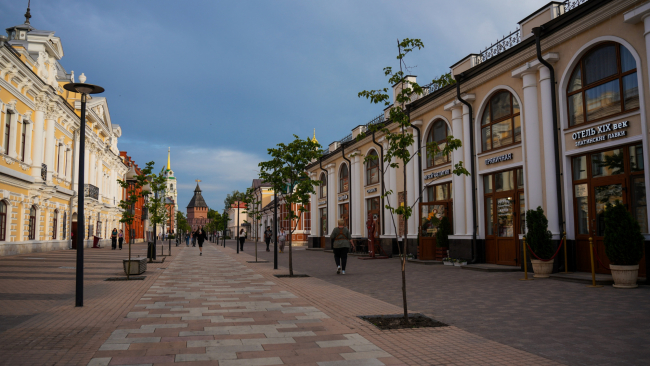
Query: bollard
[593,268]
[566,259]
[525,264]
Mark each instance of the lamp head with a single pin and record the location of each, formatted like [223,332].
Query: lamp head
[83,88]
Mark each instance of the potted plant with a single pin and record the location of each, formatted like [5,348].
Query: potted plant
[623,245]
[448,261]
[538,237]
[442,238]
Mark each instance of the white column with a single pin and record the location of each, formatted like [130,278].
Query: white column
[86,165]
[91,169]
[415,178]
[357,195]
[315,220]
[39,120]
[532,142]
[391,221]
[411,191]
[49,145]
[75,161]
[459,191]
[13,126]
[467,155]
[28,142]
[332,217]
[549,150]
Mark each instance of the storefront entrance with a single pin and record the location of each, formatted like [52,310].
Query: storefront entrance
[439,206]
[374,211]
[607,177]
[504,216]
[323,226]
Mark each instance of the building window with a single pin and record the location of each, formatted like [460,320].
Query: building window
[501,123]
[323,185]
[344,179]
[22,142]
[307,214]
[3,221]
[440,192]
[65,226]
[54,223]
[603,84]
[372,168]
[344,213]
[32,223]
[437,134]
[323,220]
[7,131]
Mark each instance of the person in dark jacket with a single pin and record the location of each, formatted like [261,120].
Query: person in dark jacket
[342,241]
[200,238]
[114,238]
[242,239]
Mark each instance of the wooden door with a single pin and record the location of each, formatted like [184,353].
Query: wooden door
[73,235]
[502,228]
[431,214]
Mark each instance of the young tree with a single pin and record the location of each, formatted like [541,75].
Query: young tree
[128,204]
[156,203]
[231,198]
[253,210]
[181,220]
[287,174]
[400,140]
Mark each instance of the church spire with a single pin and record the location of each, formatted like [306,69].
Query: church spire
[28,14]
[169,166]
[314,138]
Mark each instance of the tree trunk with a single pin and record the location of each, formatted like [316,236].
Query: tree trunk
[290,252]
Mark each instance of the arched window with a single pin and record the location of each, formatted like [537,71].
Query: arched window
[3,221]
[323,186]
[32,223]
[500,124]
[344,179]
[372,168]
[55,219]
[437,134]
[603,84]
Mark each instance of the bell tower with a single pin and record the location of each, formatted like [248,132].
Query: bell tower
[172,186]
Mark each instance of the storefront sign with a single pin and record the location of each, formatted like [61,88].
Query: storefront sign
[322,202]
[343,197]
[371,190]
[607,131]
[437,174]
[498,159]
[504,206]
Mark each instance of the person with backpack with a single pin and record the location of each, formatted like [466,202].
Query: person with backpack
[282,239]
[114,239]
[267,237]
[200,238]
[342,241]
[242,239]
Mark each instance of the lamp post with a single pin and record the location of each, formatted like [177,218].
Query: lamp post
[275,229]
[83,89]
[131,180]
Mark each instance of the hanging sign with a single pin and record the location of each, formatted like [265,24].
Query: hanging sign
[604,132]
[498,159]
[437,174]
[343,197]
[371,190]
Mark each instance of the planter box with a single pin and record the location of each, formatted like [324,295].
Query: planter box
[448,263]
[138,265]
[458,264]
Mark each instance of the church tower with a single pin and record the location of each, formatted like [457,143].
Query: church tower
[197,209]
[172,186]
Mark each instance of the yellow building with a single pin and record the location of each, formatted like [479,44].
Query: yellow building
[39,129]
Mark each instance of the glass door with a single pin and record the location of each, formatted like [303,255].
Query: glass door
[505,230]
[431,214]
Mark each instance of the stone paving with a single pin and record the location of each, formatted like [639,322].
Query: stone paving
[566,322]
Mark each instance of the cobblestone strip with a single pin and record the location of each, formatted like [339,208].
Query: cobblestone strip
[424,346]
[213,309]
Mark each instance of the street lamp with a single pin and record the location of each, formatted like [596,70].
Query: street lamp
[131,179]
[83,89]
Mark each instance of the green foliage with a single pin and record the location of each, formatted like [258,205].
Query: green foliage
[443,80]
[538,237]
[442,235]
[253,206]
[132,197]
[232,198]
[181,222]
[156,202]
[623,238]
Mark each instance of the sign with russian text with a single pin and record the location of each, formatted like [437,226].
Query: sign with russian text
[498,159]
[343,197]
[600,133]
[371,190]
[437,174]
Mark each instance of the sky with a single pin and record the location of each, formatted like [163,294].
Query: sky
[220,82]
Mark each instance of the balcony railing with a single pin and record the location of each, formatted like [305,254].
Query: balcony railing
[91,191]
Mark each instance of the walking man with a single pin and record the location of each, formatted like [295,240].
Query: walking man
[200,237]
[341,245]
[267,237]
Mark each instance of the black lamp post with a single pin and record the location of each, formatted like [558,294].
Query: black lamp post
[131,180]
[275,229]
[83,89]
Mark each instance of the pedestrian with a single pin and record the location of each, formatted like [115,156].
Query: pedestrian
[120,238]
[341,245]
[282,239]
[187,240]
[267,237]
[114,238]
[200,237]
[194,239]
[242,239]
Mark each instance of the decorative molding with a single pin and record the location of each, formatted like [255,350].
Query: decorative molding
[8,159]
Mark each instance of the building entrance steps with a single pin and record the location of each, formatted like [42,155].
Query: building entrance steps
[585,277]
[425,262]
[488,267]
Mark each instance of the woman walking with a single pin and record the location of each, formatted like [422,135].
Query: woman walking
[282,239]
[120,238]
[341,245]
[200,237]
[187,240]
[114,238]
[242,239]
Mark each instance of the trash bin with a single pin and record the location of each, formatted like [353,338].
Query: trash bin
[96,242]
[151,251]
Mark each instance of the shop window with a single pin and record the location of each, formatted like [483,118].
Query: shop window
[3,221]
[323,185]
[32,223]
[55,219]
[500,123]
[440,192]
[604,83]
[437,134]
[344,213]
[344,179]
[323,220]
[372,168]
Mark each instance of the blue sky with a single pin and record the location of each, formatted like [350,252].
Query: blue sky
[221,81]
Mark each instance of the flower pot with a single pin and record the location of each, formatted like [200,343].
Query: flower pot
[457,264]
[542,269]
[624,276]
[446,263]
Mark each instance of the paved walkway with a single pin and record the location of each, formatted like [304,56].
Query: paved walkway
[218,309]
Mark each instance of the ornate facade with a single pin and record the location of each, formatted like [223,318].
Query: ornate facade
[39,149]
